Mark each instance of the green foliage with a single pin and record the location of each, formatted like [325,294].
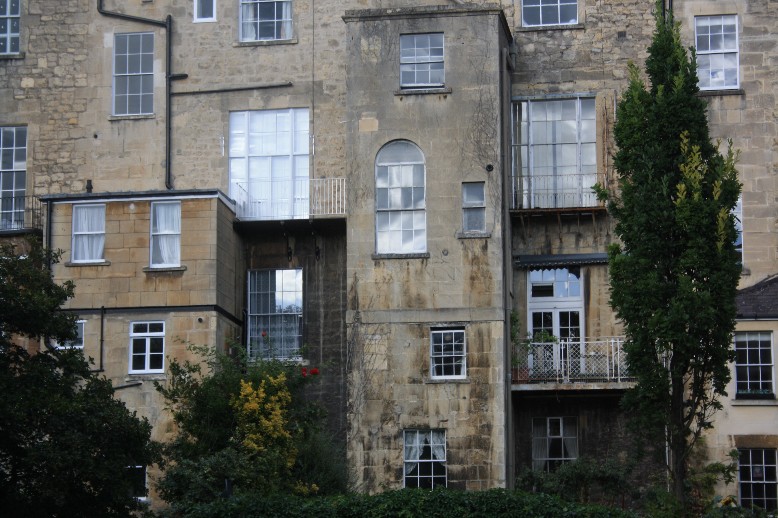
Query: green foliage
[675,274]
[28,296]
[65,442]
[227,408]
[407,503]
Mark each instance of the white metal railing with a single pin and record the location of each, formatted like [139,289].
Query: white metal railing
[289,199]
[588,360]
[555,191]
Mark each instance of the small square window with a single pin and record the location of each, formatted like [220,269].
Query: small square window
[78,342]
[448,354]
[204,10]
[421,60]
[473,207]
[88,233]
[147,347]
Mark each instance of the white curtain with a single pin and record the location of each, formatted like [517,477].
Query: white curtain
[438,444]
[286,16]
[571,437]
[539,444]
[412,451]
[166,234]
[88,232]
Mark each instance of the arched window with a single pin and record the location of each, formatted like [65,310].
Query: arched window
[401,219]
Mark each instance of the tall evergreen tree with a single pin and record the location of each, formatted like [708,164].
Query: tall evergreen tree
[674,276]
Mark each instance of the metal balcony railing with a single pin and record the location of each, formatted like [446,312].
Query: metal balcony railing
[589,360]
[289,199]
[20,213]
[555,191]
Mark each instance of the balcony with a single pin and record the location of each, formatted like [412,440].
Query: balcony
[581,364]
[20,214]
[269,200]
[566,191]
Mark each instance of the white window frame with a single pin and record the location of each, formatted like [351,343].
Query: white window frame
[712,47]
[543,435]
[474,207]
[422,60]
[448,353]
[737,212]
[79,235]
[401,193]
[136,69]
[757,472]
[754,365]
[197,6]
[555,167]
[275,313]
[269,163]
[147,336]
[546,11]
[78,343]
[416,444]
[282,22]
[145,496]
[10,41]
[13,176]
[158,236]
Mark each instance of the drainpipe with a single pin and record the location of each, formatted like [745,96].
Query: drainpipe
[167,24]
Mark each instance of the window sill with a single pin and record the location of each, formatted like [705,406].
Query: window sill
[71,264]
[379,257]
[204,20]
[561,27]
[440,381]
[754,402]
[17,55]
[264,43]
[716,93]
[164,269]
[423,91]
[473,235]
[145,376]
[140,116]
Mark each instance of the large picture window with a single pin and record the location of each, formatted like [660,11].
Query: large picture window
[717,52]
[758,479]
[269,164]
[554,442]
[275,312]
[754,365]
[424,455]
[13,176]
[555,153]
[133,74]
[401,219]
[265,20]
[88,233]
[549,12]
[165,234]
[10,17]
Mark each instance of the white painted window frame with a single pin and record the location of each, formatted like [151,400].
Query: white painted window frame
[422,55]
[159,235]
[10,41]
[15,165]
[752,470]
[559,5]
[143,73]
[755,359]
[441,359]
[414,442]
[707,53]
[202,19]
[78,343]
[284,21]
[541,443]
[256,316]
[78,234]
[473,205]
[147,336]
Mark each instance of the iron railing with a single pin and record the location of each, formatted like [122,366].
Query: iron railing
[555,191]
[20,213]
[589,360]
[289,199]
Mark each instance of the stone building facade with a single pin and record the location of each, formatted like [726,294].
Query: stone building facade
[408,177]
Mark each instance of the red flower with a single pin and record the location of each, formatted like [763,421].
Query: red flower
[305,372]
[314,371]
[264,333]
